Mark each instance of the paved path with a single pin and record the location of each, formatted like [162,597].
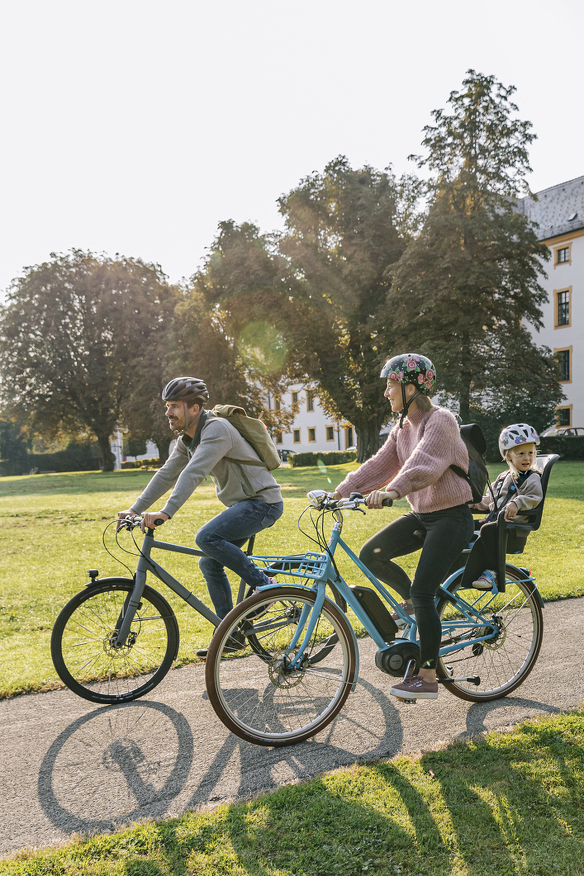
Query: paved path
[68,767]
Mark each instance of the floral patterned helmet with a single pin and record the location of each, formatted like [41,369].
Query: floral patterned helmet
[515,435]
[411,368]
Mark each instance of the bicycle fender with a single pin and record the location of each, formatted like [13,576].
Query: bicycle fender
[267,587]
[110,580]
[524,575]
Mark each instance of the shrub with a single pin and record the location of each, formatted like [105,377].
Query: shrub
[77,457]
[328,457]
[567,448]
[153,462]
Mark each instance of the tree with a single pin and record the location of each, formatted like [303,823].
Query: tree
[75,332]
[342,237]
[467,285]
[308,303]
[220,330]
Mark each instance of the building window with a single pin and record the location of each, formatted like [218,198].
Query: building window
[279,438]
[312,435]
[296,436]
[564,360]
[562,308]
[348,437]
[330,433]
[277,405]
[564,416]
[295,402]
[563,254]
[309,401]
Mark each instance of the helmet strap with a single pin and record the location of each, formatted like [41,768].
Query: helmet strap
[406,404]
[192,423]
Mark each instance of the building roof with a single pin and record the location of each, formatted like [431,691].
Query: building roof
[558,210]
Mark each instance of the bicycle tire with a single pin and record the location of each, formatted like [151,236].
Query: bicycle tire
[504,662]
[252,693]
[85,658]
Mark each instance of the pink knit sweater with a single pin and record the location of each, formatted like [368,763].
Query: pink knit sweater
[415,460]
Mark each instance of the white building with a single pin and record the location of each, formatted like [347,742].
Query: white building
[312,428]
[559,214]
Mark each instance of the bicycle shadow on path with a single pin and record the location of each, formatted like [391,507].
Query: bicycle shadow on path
[115,765]
[119,764]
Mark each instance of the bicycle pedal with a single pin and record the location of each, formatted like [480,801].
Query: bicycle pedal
[411,702]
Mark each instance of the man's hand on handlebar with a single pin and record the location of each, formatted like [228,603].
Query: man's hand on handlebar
[152,519]
[123,515]
[147,521]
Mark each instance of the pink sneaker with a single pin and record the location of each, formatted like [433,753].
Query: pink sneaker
[415,688]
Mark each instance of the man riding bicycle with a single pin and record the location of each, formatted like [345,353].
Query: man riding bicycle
[210,445]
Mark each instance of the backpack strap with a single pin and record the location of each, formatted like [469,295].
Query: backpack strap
[196,439]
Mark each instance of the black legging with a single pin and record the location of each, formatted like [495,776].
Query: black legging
[448,532]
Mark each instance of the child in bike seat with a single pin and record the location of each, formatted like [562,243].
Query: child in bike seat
[516,490]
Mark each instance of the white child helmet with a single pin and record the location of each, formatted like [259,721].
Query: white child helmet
[516,434]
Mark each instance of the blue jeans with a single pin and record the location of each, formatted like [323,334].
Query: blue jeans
[222,538]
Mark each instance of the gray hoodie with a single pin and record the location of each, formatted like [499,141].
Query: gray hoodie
[220,444]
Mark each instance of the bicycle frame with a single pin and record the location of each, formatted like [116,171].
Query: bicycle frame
[147,564]
[320,568]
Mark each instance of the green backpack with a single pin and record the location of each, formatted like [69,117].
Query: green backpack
[255,433]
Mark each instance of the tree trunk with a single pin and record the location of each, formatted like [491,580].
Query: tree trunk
[367,441]
[108,459]
[163,444]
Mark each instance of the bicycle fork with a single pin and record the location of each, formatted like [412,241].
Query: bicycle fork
[131,605]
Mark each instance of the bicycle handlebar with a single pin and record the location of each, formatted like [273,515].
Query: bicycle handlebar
[130,523]
[324,501]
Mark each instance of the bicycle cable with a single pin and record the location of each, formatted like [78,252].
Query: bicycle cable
[112,555]
[318,525]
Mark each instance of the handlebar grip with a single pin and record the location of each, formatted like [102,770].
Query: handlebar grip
[388,502]
[159,521]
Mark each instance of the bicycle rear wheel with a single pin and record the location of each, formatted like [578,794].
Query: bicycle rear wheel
[502,662]
[83,643]
[254,692]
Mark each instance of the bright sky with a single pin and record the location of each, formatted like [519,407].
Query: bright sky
[135,127]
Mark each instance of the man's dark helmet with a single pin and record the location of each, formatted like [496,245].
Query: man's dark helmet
[186,389]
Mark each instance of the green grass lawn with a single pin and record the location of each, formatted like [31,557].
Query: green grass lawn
[506,805]
[52,525]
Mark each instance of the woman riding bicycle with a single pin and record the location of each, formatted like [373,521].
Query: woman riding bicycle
[415,463]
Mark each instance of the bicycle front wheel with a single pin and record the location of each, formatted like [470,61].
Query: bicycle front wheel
[255,692]
[86,656]
[502,662]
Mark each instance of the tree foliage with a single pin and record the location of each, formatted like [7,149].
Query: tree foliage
[468,283]
[228,328]
[341,238]
[75,332]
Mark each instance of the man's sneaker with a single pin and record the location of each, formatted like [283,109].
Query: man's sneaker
[415,688]
[232,645]
[408,606]
[485,581]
